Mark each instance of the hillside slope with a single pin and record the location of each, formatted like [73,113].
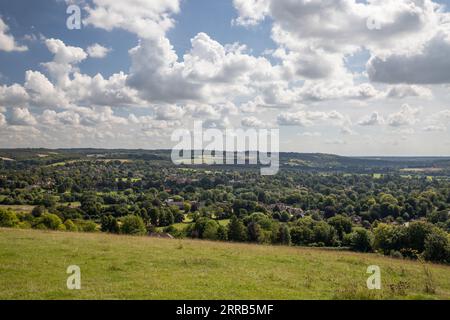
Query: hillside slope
[33,266]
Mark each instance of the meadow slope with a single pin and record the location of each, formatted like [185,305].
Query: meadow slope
[33,266]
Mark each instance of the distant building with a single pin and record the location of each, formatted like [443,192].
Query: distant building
[178,204]
[280,207]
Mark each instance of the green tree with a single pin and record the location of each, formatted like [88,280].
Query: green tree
[166,218]
[38,211]
[211,230]
[254,232]
[361,240]
[302,234]
[86,225]
[416,233]
[222,233]
[236,230]
[50,221]
[324,233]
[387,238]
[341,224]
[285,235]
[109,224]
[437,246]
[70,226]
[133,225]
[8,219]
[154,216]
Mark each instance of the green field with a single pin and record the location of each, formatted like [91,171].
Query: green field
[18,208]
[33,266]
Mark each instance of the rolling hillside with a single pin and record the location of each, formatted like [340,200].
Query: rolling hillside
[436,166]
[33,266]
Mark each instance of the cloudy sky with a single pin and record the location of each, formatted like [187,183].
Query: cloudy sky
[336,76]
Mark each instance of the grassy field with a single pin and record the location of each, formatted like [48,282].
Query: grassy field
[18,208]
[33,266]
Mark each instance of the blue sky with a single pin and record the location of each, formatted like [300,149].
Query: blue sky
[354,92]
[48,17]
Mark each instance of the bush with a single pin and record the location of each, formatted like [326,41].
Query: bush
[25,217]
[284,236]
[342,225]
[38,211]
[437,247]
[302,234]
[416,233]
[110,224]
[166,218]
[211,230]
[361,240]
[85,225]
[324,233]
[236,230]
[133,225]
[198,228]
[8,219]
[40,226]
[69,213]
[222,233]
[24,225]
[254,232]
[179,217]
[50,221]
[388,237]
[70,226]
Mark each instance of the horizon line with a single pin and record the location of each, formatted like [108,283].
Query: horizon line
[281,152]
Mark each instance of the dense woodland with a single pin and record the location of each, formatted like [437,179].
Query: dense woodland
[358,204]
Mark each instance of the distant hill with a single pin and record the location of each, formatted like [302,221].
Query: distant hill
[302,161]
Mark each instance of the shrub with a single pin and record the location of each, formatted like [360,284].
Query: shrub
[387,238]
[85,225]
[416,233]
[324,233]
[24,225]
[69,213]
[110,224]
[38,211]
[284,236]
[236,230]
[199,227]
[179,217]
[254,232]
[302,233]
[211,230]
[40,226]
[361,240]
[222,233]
[50,221]
[25,217]
[166,218]
[342,225]
[8,219]
[133,225]
[437,247]
[70,226]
